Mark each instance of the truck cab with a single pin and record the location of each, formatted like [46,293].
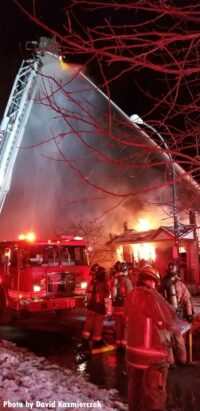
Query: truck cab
[38,276]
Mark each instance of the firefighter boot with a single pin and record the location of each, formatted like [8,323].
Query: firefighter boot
[99,344]
[83,351]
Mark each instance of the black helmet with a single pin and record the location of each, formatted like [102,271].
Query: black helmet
[149,273]
[94,267]
[117,265]
[172,268]
[101,274]
[123,267]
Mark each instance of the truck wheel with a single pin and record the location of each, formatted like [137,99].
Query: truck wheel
[6,313]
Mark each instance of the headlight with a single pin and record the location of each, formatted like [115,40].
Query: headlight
[84,284]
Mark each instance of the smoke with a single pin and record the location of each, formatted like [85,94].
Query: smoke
[76,159]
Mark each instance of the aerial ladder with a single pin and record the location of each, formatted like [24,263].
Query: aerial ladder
[15,119]
[18,109]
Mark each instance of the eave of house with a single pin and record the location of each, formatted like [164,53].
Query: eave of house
[160,234]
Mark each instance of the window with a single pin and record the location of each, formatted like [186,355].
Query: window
[13,258]
[39,255]
[72,255]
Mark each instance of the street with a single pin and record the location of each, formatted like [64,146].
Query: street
[55,338]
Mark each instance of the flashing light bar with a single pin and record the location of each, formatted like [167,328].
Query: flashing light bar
[70,238]
[32,237]
[29,236]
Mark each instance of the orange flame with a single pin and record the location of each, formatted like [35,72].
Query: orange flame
[143,225]
[144,251]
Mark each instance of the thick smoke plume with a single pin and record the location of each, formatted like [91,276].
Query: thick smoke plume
[81,158]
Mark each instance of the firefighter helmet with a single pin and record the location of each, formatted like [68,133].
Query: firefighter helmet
[172,269]
[149,273]
[94,268]
[117,265]
[101,274]
[123,267]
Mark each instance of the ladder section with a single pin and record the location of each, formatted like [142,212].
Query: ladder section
[14,121]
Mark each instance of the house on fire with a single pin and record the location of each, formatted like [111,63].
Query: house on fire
[157,247]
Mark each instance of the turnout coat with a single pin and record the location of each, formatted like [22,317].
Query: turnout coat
[150,321]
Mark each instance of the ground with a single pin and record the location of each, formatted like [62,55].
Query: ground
[41,379]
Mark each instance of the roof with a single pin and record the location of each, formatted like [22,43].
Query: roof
[26,243]
[159,234]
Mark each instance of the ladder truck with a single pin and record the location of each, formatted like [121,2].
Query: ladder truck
[19,107]
[35,276]
[14,120]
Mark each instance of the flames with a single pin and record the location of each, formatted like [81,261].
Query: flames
[140,251]
[143,225]
[144,251]
[119,253]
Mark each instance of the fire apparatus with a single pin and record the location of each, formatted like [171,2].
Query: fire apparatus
[19,106]
[37,276]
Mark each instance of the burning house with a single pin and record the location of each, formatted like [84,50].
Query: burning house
[158,247]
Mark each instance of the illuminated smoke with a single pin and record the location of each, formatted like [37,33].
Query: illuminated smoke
[47,195]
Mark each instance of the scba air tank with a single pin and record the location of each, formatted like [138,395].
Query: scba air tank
[171,295]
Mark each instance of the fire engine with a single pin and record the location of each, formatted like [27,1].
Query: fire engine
[35,276]
[38,276]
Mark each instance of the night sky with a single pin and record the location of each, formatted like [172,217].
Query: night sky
[16,29]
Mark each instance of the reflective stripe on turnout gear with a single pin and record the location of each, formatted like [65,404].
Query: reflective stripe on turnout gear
[147,351]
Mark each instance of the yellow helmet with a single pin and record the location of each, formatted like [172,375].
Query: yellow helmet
[149,273]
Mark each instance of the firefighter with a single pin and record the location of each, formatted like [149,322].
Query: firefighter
[93,270]
[178,295]
[97,291]
[113,274]
[121,287]
[150,320]
[117,267]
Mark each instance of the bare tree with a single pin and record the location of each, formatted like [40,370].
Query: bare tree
[139,40]
[95,234]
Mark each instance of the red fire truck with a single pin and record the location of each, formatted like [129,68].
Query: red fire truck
[37,276]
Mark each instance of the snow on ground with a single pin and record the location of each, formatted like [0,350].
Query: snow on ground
[31,382]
